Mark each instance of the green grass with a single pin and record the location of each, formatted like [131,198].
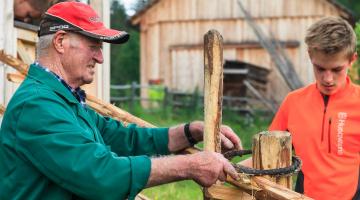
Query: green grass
[244,127]
[178,190]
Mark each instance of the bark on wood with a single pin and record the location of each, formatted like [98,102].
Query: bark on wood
[22,52]
[213,58]
[272,150]
[2,110]
[227,193]
[15,78]
[13,62]
[272,190]
[213,86]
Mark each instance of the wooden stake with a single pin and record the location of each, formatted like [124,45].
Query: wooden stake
[227,193]
[213,86]
[273,150]
[2,109]
[213,58]
[14,62]
[15,78]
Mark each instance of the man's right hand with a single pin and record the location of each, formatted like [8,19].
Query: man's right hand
[207,167]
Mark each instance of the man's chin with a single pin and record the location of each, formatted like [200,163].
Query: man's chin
[88,81]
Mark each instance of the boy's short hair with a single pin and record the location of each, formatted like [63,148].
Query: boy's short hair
[40,5]
[331,35]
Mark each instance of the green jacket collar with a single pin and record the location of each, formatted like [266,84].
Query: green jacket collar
[50,80]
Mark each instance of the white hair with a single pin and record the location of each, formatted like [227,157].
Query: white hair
[43,45]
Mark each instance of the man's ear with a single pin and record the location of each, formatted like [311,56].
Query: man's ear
[58,41]
[353,58]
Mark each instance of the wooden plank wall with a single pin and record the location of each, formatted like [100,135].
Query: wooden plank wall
[8,43]
[182,24]
[177,10]
[100,87]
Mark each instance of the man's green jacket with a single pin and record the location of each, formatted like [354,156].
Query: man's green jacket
[53,148]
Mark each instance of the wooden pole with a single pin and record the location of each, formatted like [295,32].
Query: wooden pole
[213,63]
[213,86]
[273,150]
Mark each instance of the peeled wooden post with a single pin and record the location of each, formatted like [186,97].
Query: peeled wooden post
[272,149]
[213,85]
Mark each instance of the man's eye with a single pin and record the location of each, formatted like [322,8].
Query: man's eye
[95,48]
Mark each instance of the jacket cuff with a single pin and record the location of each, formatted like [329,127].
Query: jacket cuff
[140,172]
[161,140]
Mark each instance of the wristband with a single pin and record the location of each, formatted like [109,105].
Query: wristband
[188,135]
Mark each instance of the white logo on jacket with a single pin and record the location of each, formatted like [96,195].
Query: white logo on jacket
[340,131]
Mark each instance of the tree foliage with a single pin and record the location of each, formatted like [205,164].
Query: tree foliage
[353,6]
[125,57]
[356,66]
[140,4]
[357,31]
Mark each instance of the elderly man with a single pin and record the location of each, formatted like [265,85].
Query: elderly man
[53,146]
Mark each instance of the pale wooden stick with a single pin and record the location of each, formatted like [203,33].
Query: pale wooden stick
[14,62]
[15,78]
[213,86]
[213,69]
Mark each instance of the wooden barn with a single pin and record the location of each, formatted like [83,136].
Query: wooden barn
[18,39]
[172,38]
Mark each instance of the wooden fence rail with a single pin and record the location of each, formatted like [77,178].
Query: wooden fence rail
[130,93]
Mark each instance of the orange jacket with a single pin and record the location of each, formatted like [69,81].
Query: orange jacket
[327,139]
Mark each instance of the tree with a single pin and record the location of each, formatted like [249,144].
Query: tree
[357,31]
[124,58]
[356,67]
[140,4]
[352,5]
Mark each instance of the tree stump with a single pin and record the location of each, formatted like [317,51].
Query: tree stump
[271,150]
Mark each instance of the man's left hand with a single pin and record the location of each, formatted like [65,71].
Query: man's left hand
[229,139]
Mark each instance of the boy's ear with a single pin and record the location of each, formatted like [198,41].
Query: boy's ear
[353,58]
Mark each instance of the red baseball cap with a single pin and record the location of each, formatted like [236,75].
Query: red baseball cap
[81,18]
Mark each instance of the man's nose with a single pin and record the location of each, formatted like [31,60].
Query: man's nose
[98,56]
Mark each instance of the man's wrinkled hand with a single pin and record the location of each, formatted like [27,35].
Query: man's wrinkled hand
[208,167]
